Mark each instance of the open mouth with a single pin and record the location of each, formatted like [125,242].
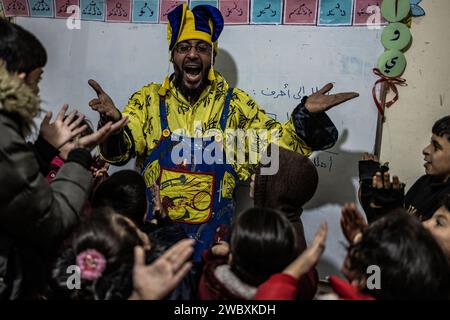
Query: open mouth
[193,73]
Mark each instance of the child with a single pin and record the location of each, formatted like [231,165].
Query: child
[125,192]
[263,242]
[33,214]
[439,226]
[102,250]
[410,263]
[288,190]
[379,194]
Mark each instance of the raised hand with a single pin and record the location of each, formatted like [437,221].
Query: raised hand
[221,249]
[309,258]
[92,140]
[155,281]
[320,102]
[103,104]
[368,156]
[352,222]
[61,131]
[383,181]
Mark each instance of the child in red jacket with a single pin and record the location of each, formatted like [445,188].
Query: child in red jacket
[263,242]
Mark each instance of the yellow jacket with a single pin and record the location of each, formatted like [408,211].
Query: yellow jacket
[144,127]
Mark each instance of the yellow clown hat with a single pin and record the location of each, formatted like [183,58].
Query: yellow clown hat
[203,22]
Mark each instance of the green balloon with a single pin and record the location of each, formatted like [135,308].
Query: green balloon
[395,10]
[396,36]
[392,63]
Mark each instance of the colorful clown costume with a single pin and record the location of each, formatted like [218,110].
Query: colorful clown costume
[195,193]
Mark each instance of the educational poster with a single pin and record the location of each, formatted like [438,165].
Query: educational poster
[41,8]
[194,3]
[63,9]
[290,12]
[145,11]
[15,8]
[92,10]
[235,11]
[118,10]
[266,11]
[167,6]
[302,12]
[335,12]
[368,13]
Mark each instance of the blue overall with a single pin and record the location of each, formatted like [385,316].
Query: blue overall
[195,193]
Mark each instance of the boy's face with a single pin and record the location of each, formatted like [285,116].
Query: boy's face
[439,226]
[32,79]
[437,157]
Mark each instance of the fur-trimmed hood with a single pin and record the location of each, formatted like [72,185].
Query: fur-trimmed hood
[16,98]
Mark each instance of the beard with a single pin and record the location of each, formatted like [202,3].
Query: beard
[189,92]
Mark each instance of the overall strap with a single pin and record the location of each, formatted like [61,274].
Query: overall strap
[226,108]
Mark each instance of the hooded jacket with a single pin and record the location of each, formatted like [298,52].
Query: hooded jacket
[288,190]
[34,215]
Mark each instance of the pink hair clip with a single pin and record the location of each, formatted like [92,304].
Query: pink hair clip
[91,263]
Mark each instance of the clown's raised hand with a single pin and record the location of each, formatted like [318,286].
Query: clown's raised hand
[320,101]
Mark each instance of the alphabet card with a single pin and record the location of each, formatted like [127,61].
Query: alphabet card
[145,11]
[235,11]
[266,11]
[300,12]
[67,8]
[15,8]
[368,13]
[118,10]
[167,6]
[335,12]
[93,10]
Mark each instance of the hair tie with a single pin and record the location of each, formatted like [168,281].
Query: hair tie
[92,264]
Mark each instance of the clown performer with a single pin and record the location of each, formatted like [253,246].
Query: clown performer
[181,113]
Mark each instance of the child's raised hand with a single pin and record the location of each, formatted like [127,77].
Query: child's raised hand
[157,280]
[383,181]
[90,141]
[309,258]
[352,222]
[221,249]
[61,131]
[368,156]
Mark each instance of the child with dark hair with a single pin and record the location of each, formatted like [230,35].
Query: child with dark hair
[263,242]
[125,192]
[102,254]
[34,216]
[439,226]
[394,258]
[288,190]
[379,194]
[102,248]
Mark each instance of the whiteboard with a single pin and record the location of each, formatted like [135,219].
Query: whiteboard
[276,65]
